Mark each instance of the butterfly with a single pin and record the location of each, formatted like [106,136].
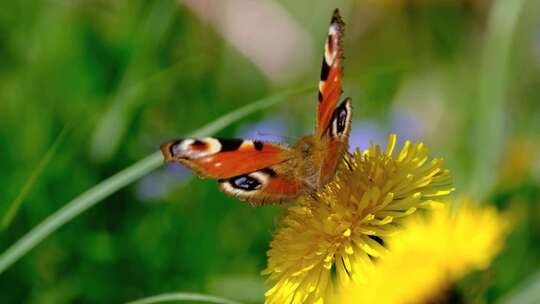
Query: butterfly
[269,173]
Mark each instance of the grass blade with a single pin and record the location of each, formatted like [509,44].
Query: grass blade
[121,179]
[183,296]
[38,170]
[526,293]
[493,84]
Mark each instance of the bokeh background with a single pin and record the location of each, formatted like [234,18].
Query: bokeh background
[88,87]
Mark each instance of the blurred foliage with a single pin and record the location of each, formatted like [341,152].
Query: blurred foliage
[132,74]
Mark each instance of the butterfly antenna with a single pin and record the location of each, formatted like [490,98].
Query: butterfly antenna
[270,134]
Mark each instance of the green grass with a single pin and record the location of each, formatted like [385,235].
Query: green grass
[119,180]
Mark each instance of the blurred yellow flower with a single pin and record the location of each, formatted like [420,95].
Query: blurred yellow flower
[333,236]
[430,254]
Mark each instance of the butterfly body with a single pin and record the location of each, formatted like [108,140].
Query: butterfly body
[270,173]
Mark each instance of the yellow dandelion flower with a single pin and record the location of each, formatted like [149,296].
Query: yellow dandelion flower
[430,254]
[331,237]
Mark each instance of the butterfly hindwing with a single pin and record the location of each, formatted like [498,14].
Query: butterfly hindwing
[337,138]
[331,73]
[272,185]
[340,126]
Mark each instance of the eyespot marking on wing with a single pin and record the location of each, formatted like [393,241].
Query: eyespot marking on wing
[194,148]
[246,183]
[331,47]
[341,122]
[333,42]
[199,145]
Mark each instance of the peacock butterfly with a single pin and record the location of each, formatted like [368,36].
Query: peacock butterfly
[268,173]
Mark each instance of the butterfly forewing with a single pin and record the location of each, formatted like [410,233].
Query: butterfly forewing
[224,158]
[333,124]
[331,73]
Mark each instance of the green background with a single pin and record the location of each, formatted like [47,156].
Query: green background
[119,78]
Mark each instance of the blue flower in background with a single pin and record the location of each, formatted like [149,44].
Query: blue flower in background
[408,125]
[404,123]
[160,183]
[364,132]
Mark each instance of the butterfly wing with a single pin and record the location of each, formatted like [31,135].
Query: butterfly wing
[331,74]
[253,171]
[336,140]
[333,123]
[272,185]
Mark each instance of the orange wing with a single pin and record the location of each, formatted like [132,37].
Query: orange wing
[224,158]
[331,73]
[267,186]
[336,139]
[254,171]
[333,124]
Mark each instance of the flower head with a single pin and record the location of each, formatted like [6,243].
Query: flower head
[332,237]
[430,254]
